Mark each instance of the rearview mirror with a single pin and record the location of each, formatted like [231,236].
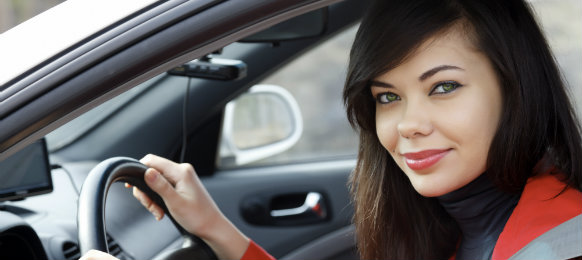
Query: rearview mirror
[260,123]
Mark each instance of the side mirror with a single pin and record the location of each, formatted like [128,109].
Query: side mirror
[260,123]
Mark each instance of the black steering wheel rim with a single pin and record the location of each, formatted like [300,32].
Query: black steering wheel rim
[91,204]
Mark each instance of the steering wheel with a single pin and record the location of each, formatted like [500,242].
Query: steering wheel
[91,205]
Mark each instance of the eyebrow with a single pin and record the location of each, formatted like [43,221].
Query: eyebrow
[435,70]
[374,83]
[427,74]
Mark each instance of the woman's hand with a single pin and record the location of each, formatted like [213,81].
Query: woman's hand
[190,205]
[184,195]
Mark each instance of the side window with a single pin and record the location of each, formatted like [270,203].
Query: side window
[315,80]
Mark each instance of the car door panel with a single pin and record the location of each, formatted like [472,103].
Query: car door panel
[230,188]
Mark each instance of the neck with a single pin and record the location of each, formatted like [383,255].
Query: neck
[481,211]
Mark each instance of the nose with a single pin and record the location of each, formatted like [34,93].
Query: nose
[415,122]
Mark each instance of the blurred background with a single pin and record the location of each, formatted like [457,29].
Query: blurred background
[13,12]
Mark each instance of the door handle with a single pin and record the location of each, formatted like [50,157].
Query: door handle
[314,205]
[292,208]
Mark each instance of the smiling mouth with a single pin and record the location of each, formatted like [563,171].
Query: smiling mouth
[424,159]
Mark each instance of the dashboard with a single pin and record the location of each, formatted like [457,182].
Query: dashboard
[38,212]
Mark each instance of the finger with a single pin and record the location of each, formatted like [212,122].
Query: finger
[160,185]
[127,185]
[151,206]
[166,167]
[97,255]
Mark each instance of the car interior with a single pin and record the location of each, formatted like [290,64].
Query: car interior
[195,113]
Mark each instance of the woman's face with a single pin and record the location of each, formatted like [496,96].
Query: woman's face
[437,113]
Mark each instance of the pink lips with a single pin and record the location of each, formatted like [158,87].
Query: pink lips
[424,159]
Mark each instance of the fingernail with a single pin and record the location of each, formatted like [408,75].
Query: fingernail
[151,176]
[157,215]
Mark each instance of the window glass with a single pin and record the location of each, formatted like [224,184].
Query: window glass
[71,131]
[316,81]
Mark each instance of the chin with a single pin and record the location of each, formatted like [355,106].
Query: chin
[431,193]
[431,189]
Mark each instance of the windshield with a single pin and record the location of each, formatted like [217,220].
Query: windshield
[52,31]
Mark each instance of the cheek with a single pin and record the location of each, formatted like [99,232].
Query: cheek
[474,126]
[386,129]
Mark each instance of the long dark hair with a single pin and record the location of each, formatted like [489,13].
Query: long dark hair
[538,123]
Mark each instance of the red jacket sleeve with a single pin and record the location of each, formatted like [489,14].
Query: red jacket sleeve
[255,252]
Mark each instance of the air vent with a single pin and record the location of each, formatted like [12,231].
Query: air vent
[71,251]
[116,250]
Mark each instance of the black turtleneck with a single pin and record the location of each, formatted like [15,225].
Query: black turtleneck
[481,211]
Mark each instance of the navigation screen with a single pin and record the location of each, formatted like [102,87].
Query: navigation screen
[26,173]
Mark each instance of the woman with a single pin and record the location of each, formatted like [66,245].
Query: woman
[467,105]
[469,146]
